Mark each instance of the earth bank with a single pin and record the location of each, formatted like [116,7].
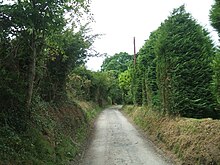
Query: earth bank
[55,135]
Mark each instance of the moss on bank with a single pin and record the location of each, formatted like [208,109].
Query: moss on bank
[55,135]
[193,141]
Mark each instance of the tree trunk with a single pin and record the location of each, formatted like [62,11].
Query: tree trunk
[31,72]
[32,65]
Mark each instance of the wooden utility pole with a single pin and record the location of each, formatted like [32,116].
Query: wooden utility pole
[134,52]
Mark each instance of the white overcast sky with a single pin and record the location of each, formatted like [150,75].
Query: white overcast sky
[121,20]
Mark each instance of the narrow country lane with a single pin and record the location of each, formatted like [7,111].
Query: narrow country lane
[117,142]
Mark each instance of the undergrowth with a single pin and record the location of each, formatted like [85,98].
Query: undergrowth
[55,135]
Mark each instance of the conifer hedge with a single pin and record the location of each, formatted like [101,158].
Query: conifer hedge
[184,53]
[174,68]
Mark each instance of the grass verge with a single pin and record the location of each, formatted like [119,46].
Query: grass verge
[192,141]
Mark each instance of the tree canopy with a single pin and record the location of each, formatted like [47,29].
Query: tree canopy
[37,54]
[117,63]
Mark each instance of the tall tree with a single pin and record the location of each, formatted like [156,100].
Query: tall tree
[115,65]
[25,25]
[34,20]
[184,53]
[66,51]
[146,62]
[214,18]
[118,62]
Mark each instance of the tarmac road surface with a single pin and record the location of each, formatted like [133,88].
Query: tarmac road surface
[117,142]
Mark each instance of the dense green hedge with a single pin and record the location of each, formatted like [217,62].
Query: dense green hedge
[173,71]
